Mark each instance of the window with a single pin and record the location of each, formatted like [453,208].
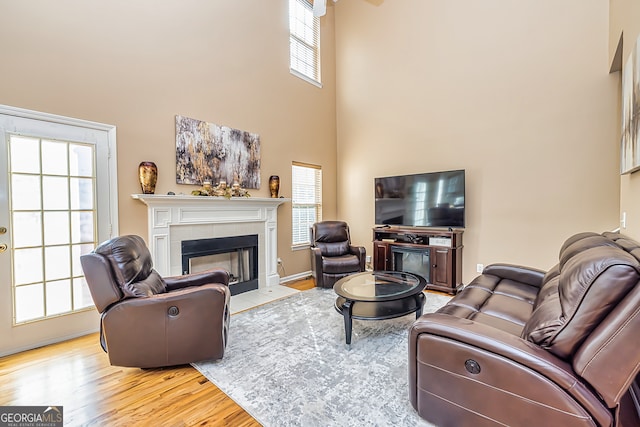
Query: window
[306,204]
[52,215]
[304,41]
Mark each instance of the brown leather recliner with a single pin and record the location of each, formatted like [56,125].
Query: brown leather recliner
[148,321]
[524,347]
[332,254]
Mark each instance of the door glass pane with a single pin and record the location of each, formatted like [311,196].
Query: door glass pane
[27,266]
[81,294]
[25,192]
[57,264]
[58,297]
[29,302]
[56,228]
[80,160]
[81,193]
[25,154]
[55,158]
[53,217]
[82,227]
[76,252]
[27,229]
[55,192]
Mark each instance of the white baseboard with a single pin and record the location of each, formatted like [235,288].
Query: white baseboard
[294,277]
[44,343]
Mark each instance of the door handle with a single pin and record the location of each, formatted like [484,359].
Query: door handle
[3,230]
[3,247]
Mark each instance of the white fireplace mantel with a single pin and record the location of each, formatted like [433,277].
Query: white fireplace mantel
[210,217]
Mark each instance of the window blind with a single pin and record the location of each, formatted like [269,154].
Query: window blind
[306,201]
[304,41]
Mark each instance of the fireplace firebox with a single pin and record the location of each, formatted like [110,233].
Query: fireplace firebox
[237,254]
[411,260]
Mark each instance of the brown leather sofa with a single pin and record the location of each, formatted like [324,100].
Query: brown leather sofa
[332,254]
[524,347]
[148,321]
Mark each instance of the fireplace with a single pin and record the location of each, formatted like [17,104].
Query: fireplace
[173,219]
[411,260]
[236,254]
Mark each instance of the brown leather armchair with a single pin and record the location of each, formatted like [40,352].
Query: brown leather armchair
[148,321]
[332,254]
[524,347]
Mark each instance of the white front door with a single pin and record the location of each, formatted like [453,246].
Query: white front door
[57,201]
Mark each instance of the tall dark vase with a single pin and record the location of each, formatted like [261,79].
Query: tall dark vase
[274,185]
[148,175]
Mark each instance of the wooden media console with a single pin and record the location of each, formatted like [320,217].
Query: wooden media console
[434,254]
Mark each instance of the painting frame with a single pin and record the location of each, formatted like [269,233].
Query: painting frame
[207,152]
[630,132]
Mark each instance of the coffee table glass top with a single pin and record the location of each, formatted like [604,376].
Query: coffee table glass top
[379,286]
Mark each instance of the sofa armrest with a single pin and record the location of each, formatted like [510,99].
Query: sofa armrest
[316,264]
[361,253]
[440,337]
[166,329]
[527,275]
[215,275]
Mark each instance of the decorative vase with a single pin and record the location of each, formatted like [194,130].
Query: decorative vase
[274,185]
[148,175]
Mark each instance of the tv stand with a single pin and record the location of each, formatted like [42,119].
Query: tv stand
[440,248]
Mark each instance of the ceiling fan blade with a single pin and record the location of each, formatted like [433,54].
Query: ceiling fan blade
[319,8]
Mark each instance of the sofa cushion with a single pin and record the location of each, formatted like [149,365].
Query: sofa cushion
[629,245]
[576,237]
[549,288]
[152,285]
[581,242]
[571,247]
[131,263]
[332,237]
[590,283]
[341,264]
[500,302]
[334,248]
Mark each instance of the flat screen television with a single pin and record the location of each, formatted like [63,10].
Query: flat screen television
[434,199]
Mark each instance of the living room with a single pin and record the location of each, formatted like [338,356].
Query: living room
[518,94]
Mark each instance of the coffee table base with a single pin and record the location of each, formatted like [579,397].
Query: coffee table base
[368,310]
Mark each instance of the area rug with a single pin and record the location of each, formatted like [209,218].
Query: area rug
[287,364]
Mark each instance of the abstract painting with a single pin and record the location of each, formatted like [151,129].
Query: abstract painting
[630,139]
[209,152]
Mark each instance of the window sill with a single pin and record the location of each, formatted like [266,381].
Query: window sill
[300,247]
[305,78]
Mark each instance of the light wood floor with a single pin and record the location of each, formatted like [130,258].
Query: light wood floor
[76,375]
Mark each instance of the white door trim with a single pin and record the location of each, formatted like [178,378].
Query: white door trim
[16,340]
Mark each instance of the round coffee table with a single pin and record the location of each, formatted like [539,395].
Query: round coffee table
[378,295]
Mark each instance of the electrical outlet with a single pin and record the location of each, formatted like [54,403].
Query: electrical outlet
[479,268]
[279,260]
[368,258]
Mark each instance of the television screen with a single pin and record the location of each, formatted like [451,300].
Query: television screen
[433,199]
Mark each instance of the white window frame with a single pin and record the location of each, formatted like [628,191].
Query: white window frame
[306,194]
[304,42]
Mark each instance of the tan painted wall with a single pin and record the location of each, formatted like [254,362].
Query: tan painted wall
[625,20]
[517,93]
[136,64]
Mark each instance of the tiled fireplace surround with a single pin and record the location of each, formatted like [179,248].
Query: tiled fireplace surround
[172,219]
